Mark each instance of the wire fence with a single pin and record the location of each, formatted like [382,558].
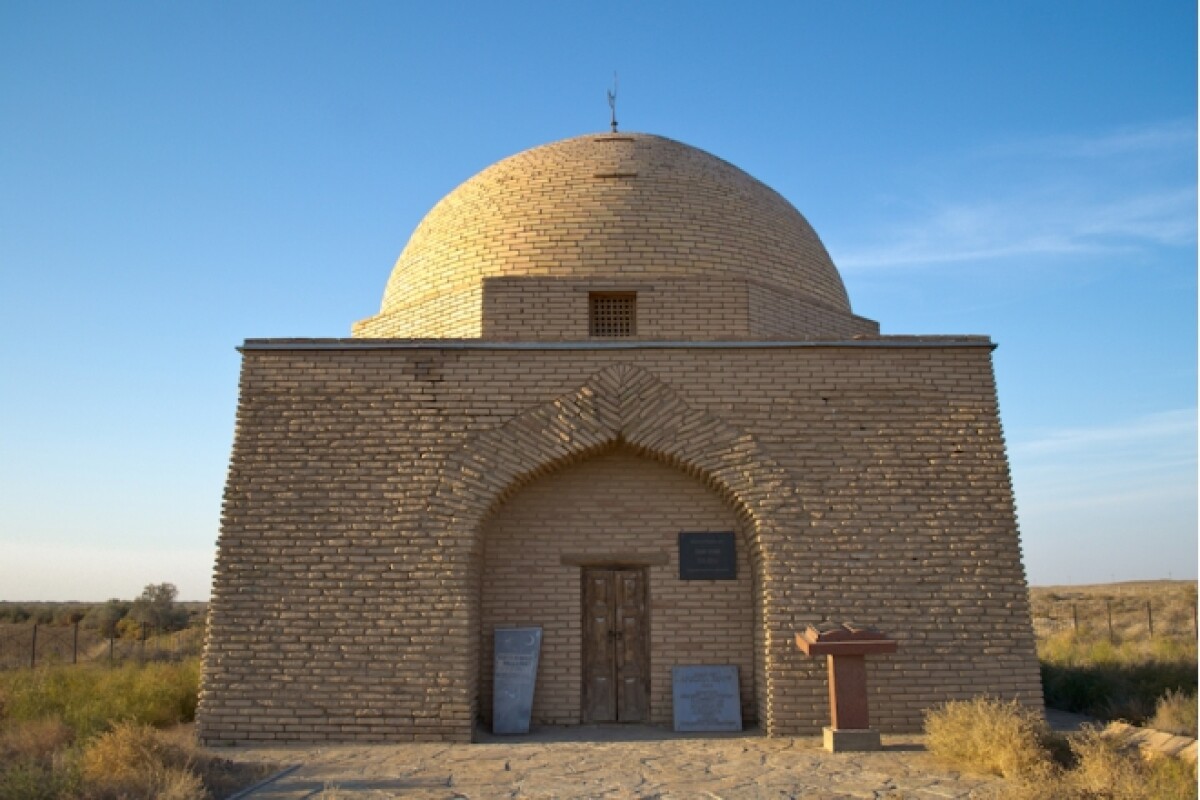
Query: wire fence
[1116,618]
[31,645]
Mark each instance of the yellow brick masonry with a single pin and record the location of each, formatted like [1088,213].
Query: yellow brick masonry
[542,309]
[627,210]
[379,493]
[614,505]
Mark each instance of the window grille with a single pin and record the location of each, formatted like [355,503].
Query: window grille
[612,314]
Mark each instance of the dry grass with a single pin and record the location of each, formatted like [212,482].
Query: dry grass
[1172,609]
[989,736]
[1117,672]
[89,733]
[1176,713]
[132,761]
[89,698]
[999,738]
[135,761]
[37,739]
[1123,681]
[1102,770]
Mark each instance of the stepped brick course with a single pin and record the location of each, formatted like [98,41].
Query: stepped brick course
[506,254]
[583,351]
[388,502]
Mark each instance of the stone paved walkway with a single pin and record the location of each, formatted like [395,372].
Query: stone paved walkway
[611,762]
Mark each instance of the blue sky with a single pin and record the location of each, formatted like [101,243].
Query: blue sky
[177,177]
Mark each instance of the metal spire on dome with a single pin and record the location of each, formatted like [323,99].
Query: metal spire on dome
[612,103]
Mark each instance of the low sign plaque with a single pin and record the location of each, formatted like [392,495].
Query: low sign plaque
[706,698]
[707,556]
[514,673]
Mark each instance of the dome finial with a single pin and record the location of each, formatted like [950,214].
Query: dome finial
[612,102]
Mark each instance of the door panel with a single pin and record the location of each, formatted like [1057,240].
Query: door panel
[599,667]
[632,661]
[616,652]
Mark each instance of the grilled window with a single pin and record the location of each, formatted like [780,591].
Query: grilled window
[612,313]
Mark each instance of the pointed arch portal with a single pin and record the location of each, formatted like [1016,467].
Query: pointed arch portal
[628,407]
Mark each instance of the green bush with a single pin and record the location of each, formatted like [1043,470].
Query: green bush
[93,732]
[1115,681]
[90,698]
[27,779]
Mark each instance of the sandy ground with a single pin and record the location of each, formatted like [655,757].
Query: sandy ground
[615,761]
[610,762]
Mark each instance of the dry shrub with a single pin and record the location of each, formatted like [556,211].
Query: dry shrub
[135,761]
[37,739]
[1104,769]
[83,733]
[1176,713]
[991,736]
[220,776]
[1107,770]
[35,761]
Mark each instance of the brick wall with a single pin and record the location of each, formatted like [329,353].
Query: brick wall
[547,309]
[449,312]
[869,482]
[602,208]
[776,314]
[615,507]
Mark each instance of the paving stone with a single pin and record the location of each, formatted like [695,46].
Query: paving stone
[657,764]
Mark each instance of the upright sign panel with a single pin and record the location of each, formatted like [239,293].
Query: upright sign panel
[706,698]
[514,673]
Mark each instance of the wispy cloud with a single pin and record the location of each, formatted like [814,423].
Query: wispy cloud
[1109,501]
[1133,463]
[1063,196]
[1168,137]
[1176,428]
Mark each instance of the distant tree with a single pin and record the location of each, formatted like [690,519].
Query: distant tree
[129,628]
[105,618]
[156,608]
[13,613]
[70,614]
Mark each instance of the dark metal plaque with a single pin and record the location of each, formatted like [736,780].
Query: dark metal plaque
[707,556]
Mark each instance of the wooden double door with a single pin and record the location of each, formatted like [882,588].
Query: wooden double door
[616,663]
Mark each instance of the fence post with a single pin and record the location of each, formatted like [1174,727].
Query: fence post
[1074,618]
[1150,618]
[1108,604]
[112,640]
[75,644]
[33,648]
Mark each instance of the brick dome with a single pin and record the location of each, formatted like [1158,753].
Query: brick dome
[608,210]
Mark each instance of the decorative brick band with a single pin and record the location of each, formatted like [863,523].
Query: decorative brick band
[620,405]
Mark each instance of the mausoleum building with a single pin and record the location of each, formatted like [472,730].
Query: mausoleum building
[615,391]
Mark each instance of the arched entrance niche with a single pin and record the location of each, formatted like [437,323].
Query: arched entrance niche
[592,550]
[624,409]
